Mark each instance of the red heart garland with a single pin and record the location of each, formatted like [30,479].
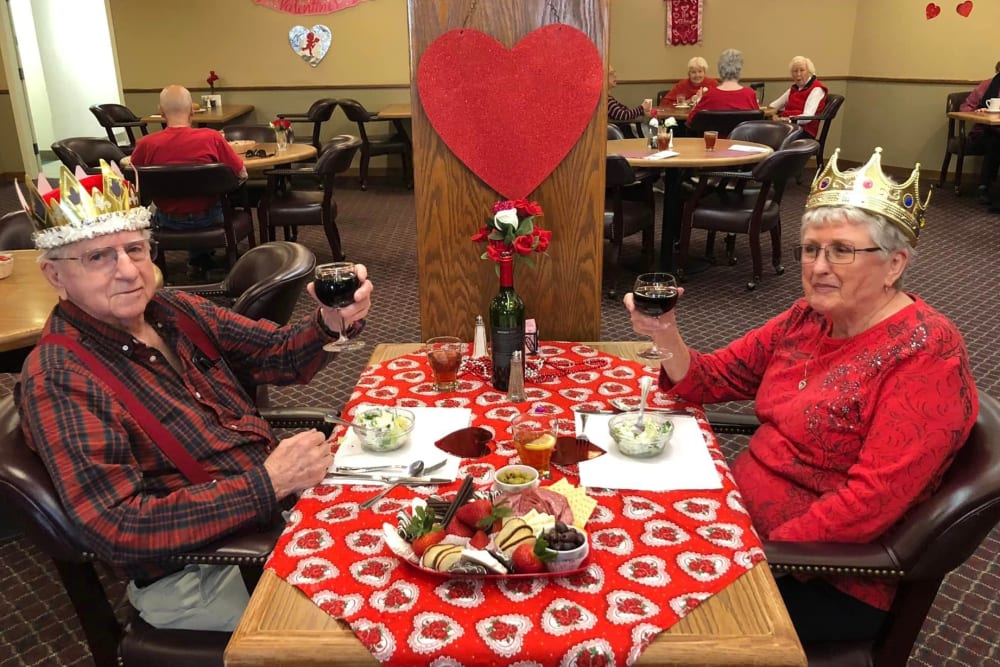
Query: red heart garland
[964,8]
[511,116]
[932,11]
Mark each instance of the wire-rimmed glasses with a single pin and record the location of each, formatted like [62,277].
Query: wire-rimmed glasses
[106,259]
[835,253]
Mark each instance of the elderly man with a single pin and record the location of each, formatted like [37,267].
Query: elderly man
[180,143]
[133,400]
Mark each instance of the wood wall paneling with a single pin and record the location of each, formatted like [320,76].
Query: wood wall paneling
[563,291]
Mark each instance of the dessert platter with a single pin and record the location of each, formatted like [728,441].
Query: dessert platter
[532,532]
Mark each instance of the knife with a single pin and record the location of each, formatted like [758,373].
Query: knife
[391,479]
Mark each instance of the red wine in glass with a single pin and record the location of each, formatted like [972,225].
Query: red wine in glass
[335,285]
[654,300]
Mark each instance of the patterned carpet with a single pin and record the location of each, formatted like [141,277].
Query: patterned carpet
[952,273]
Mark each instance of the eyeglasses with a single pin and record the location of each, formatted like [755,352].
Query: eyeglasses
[104,260]
[835,253]
[260,152]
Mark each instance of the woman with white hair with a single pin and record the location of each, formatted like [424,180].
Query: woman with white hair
[863,390]
[728,95]
[805,97]
[691,88]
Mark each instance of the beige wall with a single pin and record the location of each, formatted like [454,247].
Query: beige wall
[247,44]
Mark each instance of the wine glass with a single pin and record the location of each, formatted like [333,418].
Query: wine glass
[653,295]
[335,286]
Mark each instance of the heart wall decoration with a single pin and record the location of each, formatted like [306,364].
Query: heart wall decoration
[932,11]
[964,8]
[311,44]
[511,115]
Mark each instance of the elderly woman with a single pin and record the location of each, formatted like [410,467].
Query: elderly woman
[864,392]
[806,96]
[617,110]
[728,95]
[693,87]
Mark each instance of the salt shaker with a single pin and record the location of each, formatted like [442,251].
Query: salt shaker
[515,386]
[479,339]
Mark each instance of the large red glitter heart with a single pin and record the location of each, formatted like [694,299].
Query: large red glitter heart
[511,115]
[932,10]
[964,8]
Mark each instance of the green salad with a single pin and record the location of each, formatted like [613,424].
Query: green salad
[648,442]
[385,429]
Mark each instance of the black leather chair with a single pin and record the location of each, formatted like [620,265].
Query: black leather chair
[389,144]
[284,205]
[114,116]
[87,153]
[264,284]
[958,142]
[629,208]
[729,211]
[758,89]
[319,112]
[774,133]
[182,181]
[16,229]
[932,539]
[825,118]
[30,498]
[722,122]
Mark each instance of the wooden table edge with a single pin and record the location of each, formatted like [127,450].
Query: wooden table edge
[973,117]
[680,161]
[671,648]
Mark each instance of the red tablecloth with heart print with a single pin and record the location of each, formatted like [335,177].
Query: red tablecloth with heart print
[654,556]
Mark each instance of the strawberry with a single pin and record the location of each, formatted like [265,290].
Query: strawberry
[458,528]
[530,558]
[427,539]
[472,513]
[479,540]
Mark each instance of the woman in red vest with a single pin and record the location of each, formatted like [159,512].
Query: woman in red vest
[806,97]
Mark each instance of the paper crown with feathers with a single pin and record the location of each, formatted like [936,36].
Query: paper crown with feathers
[83,207]
[869,189]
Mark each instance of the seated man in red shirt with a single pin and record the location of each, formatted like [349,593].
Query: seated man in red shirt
[180,143]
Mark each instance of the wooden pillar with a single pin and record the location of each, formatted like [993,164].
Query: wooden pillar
[563,291]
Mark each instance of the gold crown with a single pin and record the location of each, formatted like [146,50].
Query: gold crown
[83,207]
[869,189]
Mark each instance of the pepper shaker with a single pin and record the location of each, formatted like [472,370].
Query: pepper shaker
[515,386]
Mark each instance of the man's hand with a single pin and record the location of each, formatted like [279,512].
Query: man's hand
[333,317]
[298,463]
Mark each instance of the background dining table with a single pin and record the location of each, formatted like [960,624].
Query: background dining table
[691,154]
[26,299]
[214,117]
[743,623]
[296,152]
[983,117]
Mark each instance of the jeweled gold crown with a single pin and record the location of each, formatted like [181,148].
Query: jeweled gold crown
[83,207]
[869,189]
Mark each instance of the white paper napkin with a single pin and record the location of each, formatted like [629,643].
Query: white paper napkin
[685,464]
[431,424]
[661,155]
[747,149]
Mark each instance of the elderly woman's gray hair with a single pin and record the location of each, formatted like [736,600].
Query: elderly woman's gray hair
[886,235]
[730,65]
[699,62]
[802,60]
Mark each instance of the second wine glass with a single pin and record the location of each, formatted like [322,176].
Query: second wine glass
[335,286]
[655,294]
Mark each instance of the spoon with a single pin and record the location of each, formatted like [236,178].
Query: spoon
[644,384]
[412,470]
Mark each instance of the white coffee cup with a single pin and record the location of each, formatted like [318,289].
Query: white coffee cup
[993,104]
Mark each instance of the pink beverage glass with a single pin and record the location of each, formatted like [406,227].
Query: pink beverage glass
[444,354]
[710,138]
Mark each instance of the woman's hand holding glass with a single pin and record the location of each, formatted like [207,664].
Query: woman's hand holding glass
[342,317]
[655,327]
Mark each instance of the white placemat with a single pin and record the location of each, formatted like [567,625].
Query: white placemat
[748,149]
[431,424]
[685,464]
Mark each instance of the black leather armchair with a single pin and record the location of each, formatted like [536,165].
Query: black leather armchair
[933,539]
[389,144]
[87,153]
[114,116]
[30,498]
[722,122]
[825,118]
[958,142]
[318,113]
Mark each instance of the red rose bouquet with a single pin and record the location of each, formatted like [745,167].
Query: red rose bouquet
[281,124]
[512,229]
[212,78]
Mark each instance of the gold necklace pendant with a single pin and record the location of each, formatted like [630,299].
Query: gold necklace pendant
[802,384]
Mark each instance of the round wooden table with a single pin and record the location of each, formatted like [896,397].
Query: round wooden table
[691,154]
[26,299]
[292,153]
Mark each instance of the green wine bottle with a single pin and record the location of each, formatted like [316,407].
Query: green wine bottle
[506,324]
